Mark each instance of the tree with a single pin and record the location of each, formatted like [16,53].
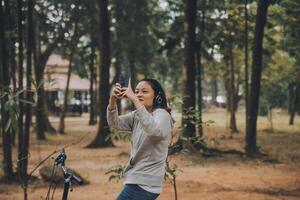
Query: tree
[188,68]
[235,42]
[261,18]
[73,42]
[20,82]
[275,81]
[291,44]
[246,63]
[56,31]
[49,35]
[93,58]
[199,68]
[11,38]
[25,139]
[101,139]
[226,38]
[295,104]
[132,36]
[93,118]
[4,87]
[233,94]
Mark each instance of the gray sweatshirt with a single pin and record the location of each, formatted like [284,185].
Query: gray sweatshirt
[151,134]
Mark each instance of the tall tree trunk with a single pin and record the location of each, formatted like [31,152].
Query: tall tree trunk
[291,97]
[261,18]
[295,104]
[227,83]
[97,76]
[133,72]
[270,118]
[61,128]
[188,68]
[93,118]
[12,40]
[199,69]
[199,88]
[246,66]
[25,146]
[42,121]
[214,91]
[39,77]
[20,83]
[103,129]
[40,110]
[12,63]
[237,97]
[4,86]
[233,127]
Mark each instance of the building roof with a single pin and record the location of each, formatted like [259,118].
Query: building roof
[56,75]
[57,60]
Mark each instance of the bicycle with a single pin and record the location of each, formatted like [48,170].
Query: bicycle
[68,177]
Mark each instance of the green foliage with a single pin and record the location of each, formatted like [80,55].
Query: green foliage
[170,172]
[173,149]
[193,115]
[195,140]
[52,17]
[117,173]
[262,107]
[130,30]
[12,107]
[280,62]
[276,77]
[291,31]
[175,102]
[292,27]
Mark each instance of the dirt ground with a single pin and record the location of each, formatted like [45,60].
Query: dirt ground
[226,177]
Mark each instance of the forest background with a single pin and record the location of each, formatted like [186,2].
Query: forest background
[231,70]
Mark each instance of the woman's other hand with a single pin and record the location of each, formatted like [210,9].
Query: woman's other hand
[128,92]
[118,91]
[131,96]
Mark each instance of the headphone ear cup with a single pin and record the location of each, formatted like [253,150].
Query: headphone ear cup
[158,99]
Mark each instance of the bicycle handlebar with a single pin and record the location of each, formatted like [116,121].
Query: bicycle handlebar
[69,177]
[61,158]
[75,178]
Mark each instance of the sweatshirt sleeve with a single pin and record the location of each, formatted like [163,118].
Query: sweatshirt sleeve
[158,124]
[121,123]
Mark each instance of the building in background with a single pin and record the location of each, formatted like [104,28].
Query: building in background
[55,80]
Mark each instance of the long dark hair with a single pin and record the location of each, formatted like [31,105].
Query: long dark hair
[158,91]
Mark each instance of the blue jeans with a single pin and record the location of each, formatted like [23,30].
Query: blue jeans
[134,192]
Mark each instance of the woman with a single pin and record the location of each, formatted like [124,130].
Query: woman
[151,127]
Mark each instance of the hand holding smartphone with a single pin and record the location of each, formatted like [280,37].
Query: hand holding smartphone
[123,80]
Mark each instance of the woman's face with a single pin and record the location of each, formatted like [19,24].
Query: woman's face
[145,94]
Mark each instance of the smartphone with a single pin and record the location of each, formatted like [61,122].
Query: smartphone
[123,80]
